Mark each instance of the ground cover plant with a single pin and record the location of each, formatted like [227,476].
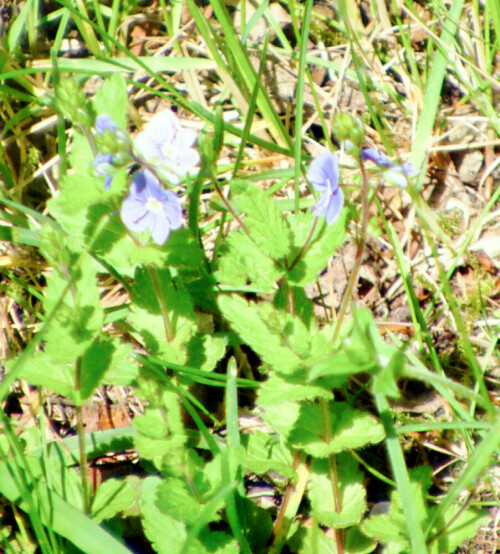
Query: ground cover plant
[249,276]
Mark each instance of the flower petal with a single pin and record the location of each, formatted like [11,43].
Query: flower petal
[396,176]
[334,206]
[160,229]
[377,157]
[164,126]
[321,206]
[173,210]
[134,214]
[324,172]
[167,145]
[149,207]
[103,123]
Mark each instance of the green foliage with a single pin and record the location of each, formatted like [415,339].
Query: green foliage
[264,221]
[244,266]
[390,527]
[324,243]
[216,328]
[352,493]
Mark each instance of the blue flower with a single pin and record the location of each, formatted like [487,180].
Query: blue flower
[399,174]
[324,177]
[103,123]
[103,167]
[167,146]
[377,157]
[394,174]
[149,207]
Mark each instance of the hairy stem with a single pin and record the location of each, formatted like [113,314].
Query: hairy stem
[354,277]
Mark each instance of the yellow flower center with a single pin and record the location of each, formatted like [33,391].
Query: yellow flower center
[154,205]
[168,151]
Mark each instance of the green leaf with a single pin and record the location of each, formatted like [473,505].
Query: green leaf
[260,525]
[351,429]
[281,416]
[362,350]
[465,526]
[352,492]
[392,528]
[266,453]
[95,362]
[166,534]
[112,98]
[276,389]
[151,425]
[152,330]
[386,530]
[40,370]
[281,340]
[357,543]
[123,369]
[175,498]
[112,497]
[161,437]
[75,325]
[340,364]
[82,200]
[181,249]
[264,221]
[311,539]
[243,264]
[204,351]
[122,252]
[63,518]
[216,542]
[325,241]
[147,318]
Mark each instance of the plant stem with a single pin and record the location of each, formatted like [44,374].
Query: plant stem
[169,335]
[227,204]
[305,245]
[81,439]
[332,463]
[290,504]
[353,279]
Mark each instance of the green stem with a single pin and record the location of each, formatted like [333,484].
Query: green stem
[169,334]
[305,245]
[227,204]
[332,464]
[290,504]
[353,279]
[81,439]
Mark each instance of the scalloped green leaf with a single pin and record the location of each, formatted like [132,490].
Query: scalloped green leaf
[352,492]
[243,264]
[350,429]
[264,221]
[325,241]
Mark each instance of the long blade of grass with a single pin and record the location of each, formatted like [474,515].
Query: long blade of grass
[299,115]
[480,459]
[401,476]
[65,519]
[247,73]
[432,95]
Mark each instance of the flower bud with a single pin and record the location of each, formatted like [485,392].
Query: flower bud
[346,126]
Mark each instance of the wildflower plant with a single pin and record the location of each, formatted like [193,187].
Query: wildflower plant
[149,207]
[221,316]
[167,146]
[324,176]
